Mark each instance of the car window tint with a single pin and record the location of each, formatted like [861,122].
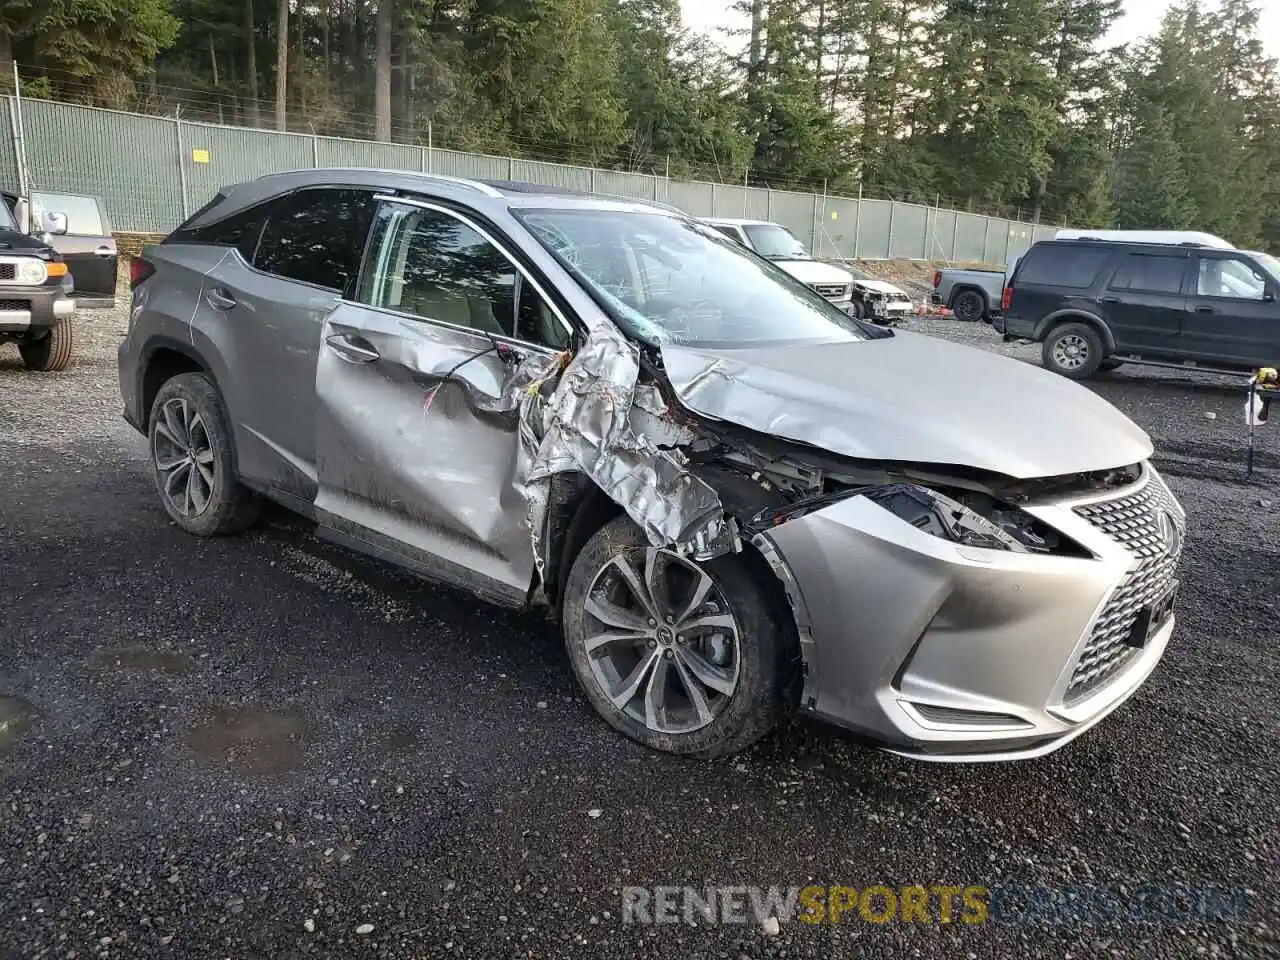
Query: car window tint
[1062,266]
[240,230]
[434,266]
[317,236]
[1149,273]
[84,219]
[730,232]
[1230,278]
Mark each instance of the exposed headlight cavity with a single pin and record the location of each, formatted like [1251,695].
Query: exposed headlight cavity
[31,271]
[973,519]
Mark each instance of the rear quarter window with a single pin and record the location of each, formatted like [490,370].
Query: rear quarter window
[1062,266]
[240,229]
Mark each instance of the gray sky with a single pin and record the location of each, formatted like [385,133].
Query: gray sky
[1141,18]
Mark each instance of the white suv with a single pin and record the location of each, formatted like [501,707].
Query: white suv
[851,290]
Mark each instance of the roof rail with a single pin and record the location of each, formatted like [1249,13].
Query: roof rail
[440,177]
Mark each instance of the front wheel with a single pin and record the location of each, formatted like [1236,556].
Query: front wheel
[681,656]
[51,352]
[1073,350]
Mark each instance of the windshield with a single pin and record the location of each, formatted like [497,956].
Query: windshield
[670,280]
[775,242]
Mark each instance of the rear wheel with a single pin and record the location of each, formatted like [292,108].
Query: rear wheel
[191,455]
[50,352]
[1073,350]
[969,306]
[681,656]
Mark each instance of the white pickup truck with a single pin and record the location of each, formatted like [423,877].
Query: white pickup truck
[847,288]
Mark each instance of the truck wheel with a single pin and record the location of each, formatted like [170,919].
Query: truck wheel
[191,454]
[1073,350]
[682,656]
[969,306]
[51,352]
[857,310]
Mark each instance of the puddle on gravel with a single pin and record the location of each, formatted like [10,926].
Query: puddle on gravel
[250,739]
[141,658]
[16,718]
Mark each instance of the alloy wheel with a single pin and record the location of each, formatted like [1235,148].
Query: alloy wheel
[183,456]
[662,641]
[1071,352]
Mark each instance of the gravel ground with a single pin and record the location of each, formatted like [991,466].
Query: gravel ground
[266,747]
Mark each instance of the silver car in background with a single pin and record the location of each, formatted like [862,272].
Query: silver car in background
[735,499]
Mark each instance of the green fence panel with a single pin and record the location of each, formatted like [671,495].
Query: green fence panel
[796,212]
[637,185]
[874,228]
[694,199]
[127,161]
[940,244]
[215,156]
[910,228]
[9,179]
[340,152]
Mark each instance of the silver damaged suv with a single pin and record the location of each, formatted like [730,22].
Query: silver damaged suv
[733,498]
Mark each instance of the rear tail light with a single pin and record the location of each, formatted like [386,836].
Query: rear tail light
[1006,298]
[937,279]
[139,270]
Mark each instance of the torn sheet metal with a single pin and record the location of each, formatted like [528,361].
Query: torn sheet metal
[598,419]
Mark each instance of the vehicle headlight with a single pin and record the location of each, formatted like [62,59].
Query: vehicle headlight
[981,521]
[31,271]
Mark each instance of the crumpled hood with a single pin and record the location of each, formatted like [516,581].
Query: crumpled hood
[910,398]
[815,271]
[879,286]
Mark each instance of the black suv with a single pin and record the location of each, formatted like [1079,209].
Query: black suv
[1096,304]
[35,292]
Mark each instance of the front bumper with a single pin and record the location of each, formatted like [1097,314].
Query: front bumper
[947,652]
[23,309]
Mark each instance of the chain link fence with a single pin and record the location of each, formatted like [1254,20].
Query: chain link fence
[151,172]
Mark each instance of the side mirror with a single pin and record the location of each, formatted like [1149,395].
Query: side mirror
[53,222]
[1269,297]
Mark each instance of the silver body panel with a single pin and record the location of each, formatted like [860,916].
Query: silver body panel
[370,421]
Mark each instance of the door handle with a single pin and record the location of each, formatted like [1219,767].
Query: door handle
[352,348]
[104,251]
[1205,310]
[219,300]
[1108,299]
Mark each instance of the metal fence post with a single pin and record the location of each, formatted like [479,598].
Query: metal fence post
[182,159]
[813,227]
[315,151]
[19,137]
[511,168]
[955,233]
[768,203]
[986,239]
[893,206]
[857,222]
[591,179]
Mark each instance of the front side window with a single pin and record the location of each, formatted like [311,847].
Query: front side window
[435,266]
[775,242]
[1150,274]
[84,219]
[317,236]
[1221,277]
[666,279]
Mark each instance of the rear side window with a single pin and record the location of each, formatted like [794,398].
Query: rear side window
[317,236]
[1150,273]
[1062,266]
[240,230]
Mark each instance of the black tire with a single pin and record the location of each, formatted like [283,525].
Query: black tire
[766,651]
[1057,355]
[51,352]
[857,310]
[1106,366]
[969,306]
[229,506]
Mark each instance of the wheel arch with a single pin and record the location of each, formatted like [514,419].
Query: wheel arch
[1075,315]
[162,359]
